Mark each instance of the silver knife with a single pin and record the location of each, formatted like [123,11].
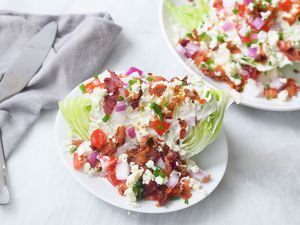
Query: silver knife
[27,62]
[4,191]
[17,77]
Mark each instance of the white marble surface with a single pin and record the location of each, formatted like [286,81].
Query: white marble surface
[261,185]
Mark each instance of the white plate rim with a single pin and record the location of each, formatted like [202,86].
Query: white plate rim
[245,101]
[57,127]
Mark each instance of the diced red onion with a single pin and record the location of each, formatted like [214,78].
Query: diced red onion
[254,36]
[120,106]
[188,55]
[179,49]
[191,48]
[132,70]
[258,23]
[173,179]
[131,132]
[92,158]
[227,26]
[102,174]
[277,84]
[252,52]
[160,163]
[247,2]
[201,176]
[122,170]
[125,84]
[105,161]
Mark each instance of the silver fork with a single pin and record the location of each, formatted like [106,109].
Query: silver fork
[4,191]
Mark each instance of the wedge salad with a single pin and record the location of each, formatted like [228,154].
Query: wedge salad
[243,43]
[139,130]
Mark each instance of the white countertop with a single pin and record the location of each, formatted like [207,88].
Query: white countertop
[262,182]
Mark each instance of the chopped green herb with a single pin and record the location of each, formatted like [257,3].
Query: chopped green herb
[269,1]
[264,6]
[186,201]
[207,94]
[255,4]
[270,63]
[235,11]
[202,35]
[280,34]
[266,87]
[100,169]
[95,76]
[174,198]
[248,44]
[160,127]
[130,83]
[162,174]
[120,98]
[138,189]
[166,104]
[150,79]
[220,38]
[190,35]
[82,88]
[210,61]
[105,118]
[73,149]
[157,110]
[156,172]
[236,76]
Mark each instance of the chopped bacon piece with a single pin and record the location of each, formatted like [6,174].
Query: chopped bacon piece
[109,148]
[109,103]
[120,136]
[113,82]
[233,48]
[287,48]
[135,99]
[158,90]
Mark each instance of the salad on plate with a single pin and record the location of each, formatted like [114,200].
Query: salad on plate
[139,130]
[244,43]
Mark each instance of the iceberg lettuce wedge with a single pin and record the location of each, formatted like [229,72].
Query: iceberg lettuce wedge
[76,112]
[187,15]
[207,129]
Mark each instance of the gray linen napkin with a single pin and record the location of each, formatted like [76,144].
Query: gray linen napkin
[82,44]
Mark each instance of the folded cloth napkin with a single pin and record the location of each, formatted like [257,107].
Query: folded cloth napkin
[82,44]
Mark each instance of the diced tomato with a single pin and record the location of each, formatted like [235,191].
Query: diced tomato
[271,93]
[186,190]
[287,48]
[241,9]
[112,179]
[218,4]
[89,87]
[285,5]
[98,138]
[108,163]
[77,161]
[160,126]
[292,87]
[122,187]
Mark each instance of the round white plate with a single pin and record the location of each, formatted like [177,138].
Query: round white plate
[167,23]
[213,160]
